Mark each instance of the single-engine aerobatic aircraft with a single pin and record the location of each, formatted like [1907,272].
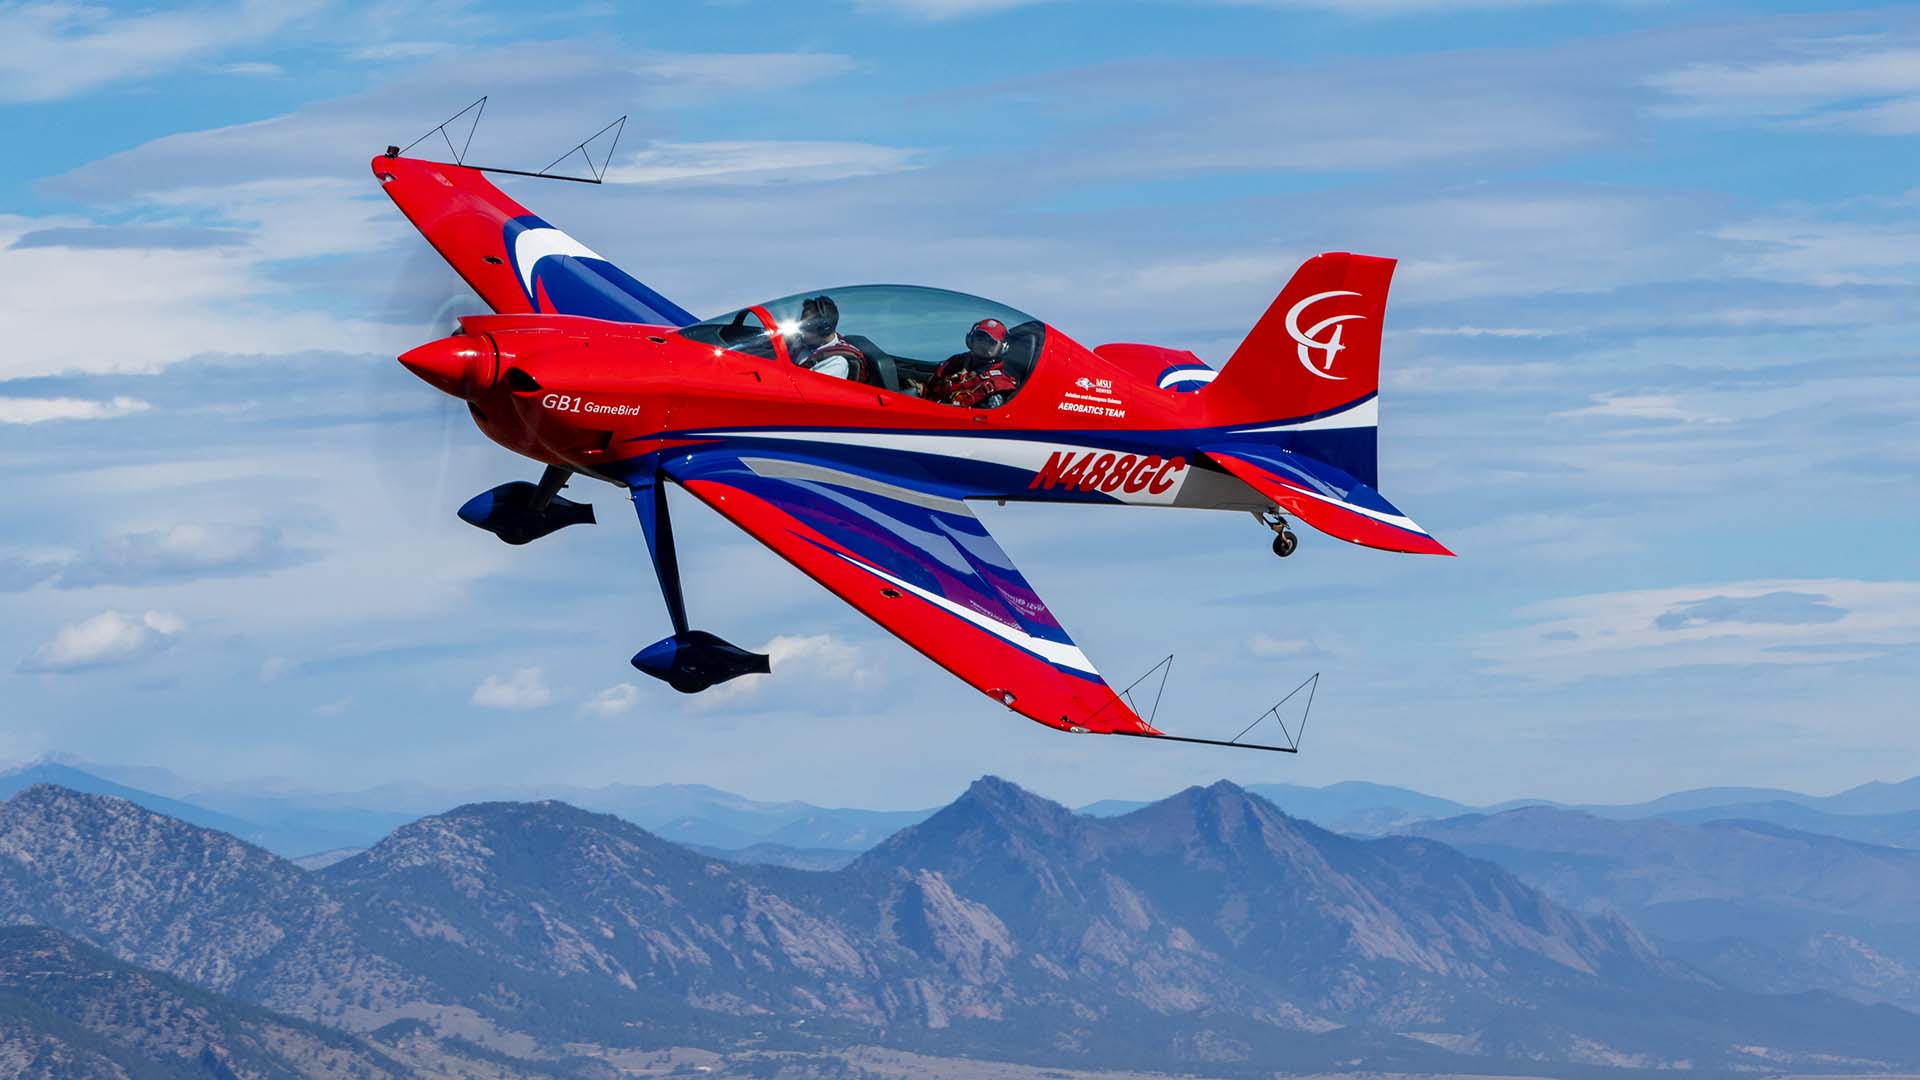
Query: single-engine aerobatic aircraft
[847,428]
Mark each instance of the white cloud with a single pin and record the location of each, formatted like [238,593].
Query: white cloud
[1824,252]
[953,9]
[180,552]
[1267,647]
[946,9]
[762,162]
[521,688]
[824,655]
[1782,622]
[1485,331]
[27,410]
[401,50]
[1897,117]
[168,305]
[254,69]
[798,660]
[691,76]
[60,48]
[1663,407]
[107,639]
[613,701]
[1811,78]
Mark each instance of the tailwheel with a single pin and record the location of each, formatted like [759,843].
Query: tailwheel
[1284,542]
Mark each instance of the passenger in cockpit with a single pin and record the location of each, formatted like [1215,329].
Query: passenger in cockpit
[977,378]
[818,346]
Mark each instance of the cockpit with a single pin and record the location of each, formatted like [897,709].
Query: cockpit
[932,343]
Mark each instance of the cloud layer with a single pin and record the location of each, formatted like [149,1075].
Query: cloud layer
[108,639]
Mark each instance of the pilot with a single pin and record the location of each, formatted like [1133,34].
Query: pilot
[818,346]
[977,378]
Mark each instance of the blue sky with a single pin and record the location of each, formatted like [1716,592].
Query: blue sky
[1650,369]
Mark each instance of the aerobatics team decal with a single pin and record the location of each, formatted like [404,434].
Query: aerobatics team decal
[1093,398]
[1104,471]
[1309,339]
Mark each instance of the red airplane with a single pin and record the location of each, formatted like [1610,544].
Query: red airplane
[846,428]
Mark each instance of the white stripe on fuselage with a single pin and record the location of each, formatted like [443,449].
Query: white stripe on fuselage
[1027,454]
[1365,414]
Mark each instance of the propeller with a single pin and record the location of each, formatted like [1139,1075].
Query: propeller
[425,302]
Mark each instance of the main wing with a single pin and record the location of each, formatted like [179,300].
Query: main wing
[921,565]
[519,264]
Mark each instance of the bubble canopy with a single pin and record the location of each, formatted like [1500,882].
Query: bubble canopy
[913,326]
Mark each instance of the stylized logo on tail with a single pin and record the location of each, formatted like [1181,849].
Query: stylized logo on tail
[1309,339]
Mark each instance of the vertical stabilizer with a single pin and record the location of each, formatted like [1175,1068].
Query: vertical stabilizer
[1312,362]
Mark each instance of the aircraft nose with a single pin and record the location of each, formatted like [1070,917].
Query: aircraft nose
[461,365]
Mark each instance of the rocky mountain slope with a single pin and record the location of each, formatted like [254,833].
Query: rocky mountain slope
[1761,906]
[1206,928]
[67,1010]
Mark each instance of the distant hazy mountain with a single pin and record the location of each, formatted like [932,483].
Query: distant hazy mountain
[15,780]
[781,855]
[1205,929]
[697,814]
[288,820]
[279,825]
[1876,797]
[288,827]
[1351,806]
[1901,830]
[1763,906]
[1870,798]
[306,825]
[320,860]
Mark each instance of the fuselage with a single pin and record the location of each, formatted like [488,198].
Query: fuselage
[610,400]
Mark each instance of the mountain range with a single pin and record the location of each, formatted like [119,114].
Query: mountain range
[1207,930]
[296,822]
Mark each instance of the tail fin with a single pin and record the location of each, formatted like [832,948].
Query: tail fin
[518,263]
[1312,362]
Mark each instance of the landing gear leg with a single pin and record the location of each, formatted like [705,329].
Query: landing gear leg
[1284,542]
[690,660]
[551,481]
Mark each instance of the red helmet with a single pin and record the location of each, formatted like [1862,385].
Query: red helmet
[987,339]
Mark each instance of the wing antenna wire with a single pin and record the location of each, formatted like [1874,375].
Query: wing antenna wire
[478,109]
[1164,667]
[599,174]
[597,170]
[1311,684]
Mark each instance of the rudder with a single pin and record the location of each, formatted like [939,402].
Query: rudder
[1312,362]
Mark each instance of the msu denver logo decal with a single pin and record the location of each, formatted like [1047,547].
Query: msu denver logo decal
[1309,340]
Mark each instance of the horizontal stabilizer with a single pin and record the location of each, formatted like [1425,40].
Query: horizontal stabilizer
[1326,498]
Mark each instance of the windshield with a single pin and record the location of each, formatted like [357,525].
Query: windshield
[896,335]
